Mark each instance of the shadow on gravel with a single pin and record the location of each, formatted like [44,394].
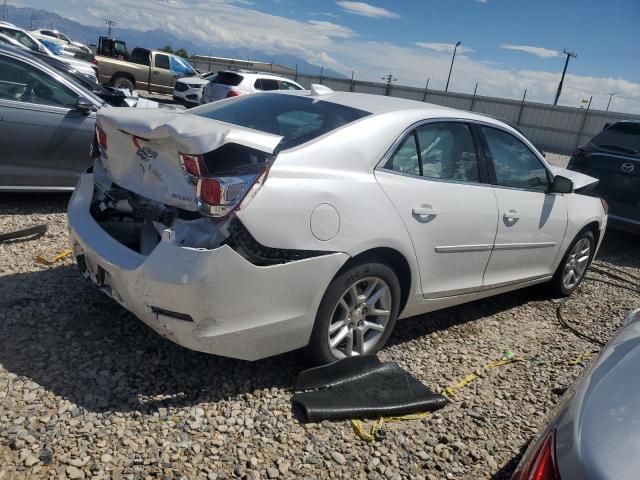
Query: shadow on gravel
[30,203]
[620,249]
[66,336]
[506,471]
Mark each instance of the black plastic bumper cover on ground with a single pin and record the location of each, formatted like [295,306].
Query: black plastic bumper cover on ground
[362,386]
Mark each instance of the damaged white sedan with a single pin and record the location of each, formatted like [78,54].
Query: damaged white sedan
[262,224]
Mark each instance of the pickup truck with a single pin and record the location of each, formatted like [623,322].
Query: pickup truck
[145,69]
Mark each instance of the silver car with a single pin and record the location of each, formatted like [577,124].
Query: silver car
[47,123]
[596,433]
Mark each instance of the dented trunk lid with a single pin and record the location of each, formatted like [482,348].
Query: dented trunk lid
[143,148]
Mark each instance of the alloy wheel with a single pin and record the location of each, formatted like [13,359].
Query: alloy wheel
[576,264]
[360,317]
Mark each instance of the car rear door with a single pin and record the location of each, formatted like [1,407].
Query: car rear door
[436,180]
[531,221]
[44,141]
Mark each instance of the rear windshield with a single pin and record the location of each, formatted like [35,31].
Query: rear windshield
[297,119]
[227,78]
[621,137]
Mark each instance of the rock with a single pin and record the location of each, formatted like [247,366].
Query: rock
[338,458]
[74,473]
[272,472]
[30,460]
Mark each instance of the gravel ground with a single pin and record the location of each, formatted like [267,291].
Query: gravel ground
[86,390]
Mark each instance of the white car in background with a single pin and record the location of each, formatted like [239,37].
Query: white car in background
[188,90]
[266,223]
[30,42]
[233,83]
[61,39]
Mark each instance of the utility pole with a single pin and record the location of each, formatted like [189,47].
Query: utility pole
[32,17]
[451,67]
[566,64]
[609,103]
[388,79]
[4,11]
[110,24]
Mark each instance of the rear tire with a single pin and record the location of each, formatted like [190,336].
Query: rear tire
[122,82]
[574,265]
[356,314]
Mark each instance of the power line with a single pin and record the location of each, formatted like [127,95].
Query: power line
[566,64]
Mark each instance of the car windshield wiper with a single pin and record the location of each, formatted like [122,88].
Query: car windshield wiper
[620,148]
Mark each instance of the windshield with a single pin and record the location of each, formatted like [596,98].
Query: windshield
[623,137]
[298,119]
[182,67]
[22,37]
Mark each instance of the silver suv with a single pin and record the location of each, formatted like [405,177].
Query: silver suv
[233,83]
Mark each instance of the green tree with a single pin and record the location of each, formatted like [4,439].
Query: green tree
[181,52]
[167,48]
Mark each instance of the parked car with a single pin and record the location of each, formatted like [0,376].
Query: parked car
[233,83]
[146,69]
[188,90]
[61,39]
[36,46]
[265,223]
[595,433]
[613,156]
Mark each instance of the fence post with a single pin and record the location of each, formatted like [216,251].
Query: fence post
[321,72]
[584,120]
[521,107]
[426,91]
[353,72]
[296,76]
[474,97]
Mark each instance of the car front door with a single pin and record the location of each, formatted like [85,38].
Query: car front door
[161,77]
[44,140]
[435,180]
[531,220]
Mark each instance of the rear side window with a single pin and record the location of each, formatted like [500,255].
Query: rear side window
[621,137]
[266,84]
[297,119]
[227,78]
[140,56]
[514,163]
[284,85]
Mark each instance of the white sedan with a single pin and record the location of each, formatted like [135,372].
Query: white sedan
[265,223]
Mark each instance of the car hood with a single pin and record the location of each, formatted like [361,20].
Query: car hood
[194,80]
[580,180]
[598,433]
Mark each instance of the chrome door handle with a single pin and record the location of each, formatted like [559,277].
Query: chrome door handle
[424,211]
[512,215]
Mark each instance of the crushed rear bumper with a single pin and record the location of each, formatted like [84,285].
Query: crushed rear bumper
[214,301]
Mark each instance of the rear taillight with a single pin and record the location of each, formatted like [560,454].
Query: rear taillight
[219,196]
[193,166]
[233,93]
[542,464]
[102,137]
[99,143]
[94,61]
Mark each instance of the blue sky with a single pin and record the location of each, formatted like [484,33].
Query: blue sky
[507,45]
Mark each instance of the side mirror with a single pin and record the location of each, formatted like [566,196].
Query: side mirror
[561,185]
[84,105]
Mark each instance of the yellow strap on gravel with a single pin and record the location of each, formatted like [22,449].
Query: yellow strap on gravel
[583,356]
[50,260]
[369,435]
[451,391]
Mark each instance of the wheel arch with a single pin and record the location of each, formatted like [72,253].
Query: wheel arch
[394,260]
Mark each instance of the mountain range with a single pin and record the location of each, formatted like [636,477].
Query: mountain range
[31,18]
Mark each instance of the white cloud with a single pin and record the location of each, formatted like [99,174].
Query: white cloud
[537,51]
[482,1]
[367,10]
[331,29]
[443,47]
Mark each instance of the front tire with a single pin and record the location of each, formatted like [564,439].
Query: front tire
[356,314]
[574,265]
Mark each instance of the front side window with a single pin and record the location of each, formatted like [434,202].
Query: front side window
[514,163]
[162,61]
[24,83]
[284,85]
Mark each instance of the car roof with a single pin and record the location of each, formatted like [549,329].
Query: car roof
[252,73]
